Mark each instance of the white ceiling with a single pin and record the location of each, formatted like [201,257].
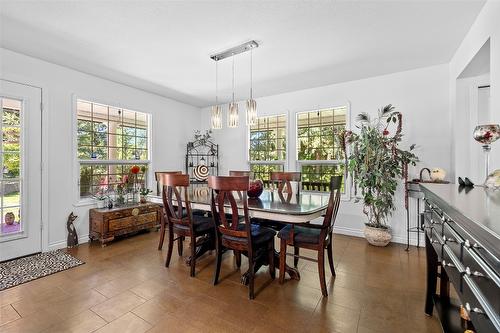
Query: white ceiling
[164,46]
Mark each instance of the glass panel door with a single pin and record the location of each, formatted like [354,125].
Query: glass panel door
[10,166]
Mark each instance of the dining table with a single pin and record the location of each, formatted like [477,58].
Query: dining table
[270,206]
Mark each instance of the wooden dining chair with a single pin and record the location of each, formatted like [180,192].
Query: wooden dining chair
[234,173]
[159,185]
[163,217]
[181,221]
[314,237]
[284,181]
[239,234]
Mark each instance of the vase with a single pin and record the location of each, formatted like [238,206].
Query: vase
[101,203]
[255,188]
[143,199]
[378,236]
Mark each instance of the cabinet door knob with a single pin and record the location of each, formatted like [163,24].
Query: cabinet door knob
[467,244]
[448,264]
[474,273]
[471,309]
[449,239]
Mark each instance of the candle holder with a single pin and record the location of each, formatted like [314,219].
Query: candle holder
[486,135]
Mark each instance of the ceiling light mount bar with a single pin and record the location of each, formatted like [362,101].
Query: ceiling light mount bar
[235,50]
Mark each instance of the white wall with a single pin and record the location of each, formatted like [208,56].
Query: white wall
[487,25]
[422,96]
[173,125]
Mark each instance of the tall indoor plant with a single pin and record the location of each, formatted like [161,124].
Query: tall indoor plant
[376,163]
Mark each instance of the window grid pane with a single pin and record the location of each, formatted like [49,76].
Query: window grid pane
[316,141]
[96,178]
[109,134]
[268,139]
[263,172]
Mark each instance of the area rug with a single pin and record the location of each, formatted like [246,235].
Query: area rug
[22,270]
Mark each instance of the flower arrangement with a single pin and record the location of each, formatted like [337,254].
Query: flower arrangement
[376,162]
[131,183]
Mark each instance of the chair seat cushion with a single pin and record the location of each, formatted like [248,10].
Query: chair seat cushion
[201,225]
[301,234]
[260,235]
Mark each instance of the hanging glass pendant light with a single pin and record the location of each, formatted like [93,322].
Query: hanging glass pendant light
[251,103]
[232,115]
[216,116]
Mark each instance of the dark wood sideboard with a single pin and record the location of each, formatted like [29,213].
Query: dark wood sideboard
[105,224]
[462,228]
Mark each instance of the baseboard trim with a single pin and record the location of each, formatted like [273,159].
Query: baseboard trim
[395,239]
[63,244]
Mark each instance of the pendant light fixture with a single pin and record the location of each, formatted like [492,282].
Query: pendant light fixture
[216,116]
[233,116]
[251,103]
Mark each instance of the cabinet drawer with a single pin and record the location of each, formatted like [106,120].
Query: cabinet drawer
[130,221]
[486,280]
[452,240]
[483,316]
[452,266]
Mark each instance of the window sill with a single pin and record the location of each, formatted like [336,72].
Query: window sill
[85,202]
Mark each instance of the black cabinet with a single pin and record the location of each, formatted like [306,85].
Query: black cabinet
[462,247]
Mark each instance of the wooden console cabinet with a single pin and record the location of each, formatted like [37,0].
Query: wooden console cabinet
[105,224]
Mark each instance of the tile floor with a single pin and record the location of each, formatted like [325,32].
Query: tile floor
[126,288]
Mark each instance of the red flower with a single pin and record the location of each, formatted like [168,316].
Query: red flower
[487,135]
[385,132]
[135,169]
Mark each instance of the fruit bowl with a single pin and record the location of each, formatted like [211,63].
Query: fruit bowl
[255,188]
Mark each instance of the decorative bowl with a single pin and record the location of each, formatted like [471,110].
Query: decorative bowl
[255,188]
[487,134]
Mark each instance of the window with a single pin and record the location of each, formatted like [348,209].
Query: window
[267,146]
[319,154]
[109,141]
[10,159]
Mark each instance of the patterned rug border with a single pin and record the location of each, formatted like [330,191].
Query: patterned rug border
[33,267]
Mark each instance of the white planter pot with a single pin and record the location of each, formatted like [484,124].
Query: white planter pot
[101,203]
[377,236]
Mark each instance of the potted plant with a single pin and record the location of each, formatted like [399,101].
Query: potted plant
[144,192]
[100,198]
[376,163]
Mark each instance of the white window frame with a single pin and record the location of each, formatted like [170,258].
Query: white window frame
[299,163]
[79,201]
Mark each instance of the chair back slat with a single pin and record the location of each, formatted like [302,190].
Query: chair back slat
[173,185]
[333,202]
[284,179]
[159,184]
[222,194]
[249,174]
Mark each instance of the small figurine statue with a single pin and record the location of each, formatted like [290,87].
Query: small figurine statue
[72,236]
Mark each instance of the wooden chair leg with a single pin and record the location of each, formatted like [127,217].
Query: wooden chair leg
[193,255]
[237,254]
[180,242]
[296,252]
[329,248]
[251,277]
[170,246]
[321,270]
[218,260]
[282,260]
[162,231]
[272,269]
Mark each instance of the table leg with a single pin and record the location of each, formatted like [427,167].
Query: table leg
[292,272]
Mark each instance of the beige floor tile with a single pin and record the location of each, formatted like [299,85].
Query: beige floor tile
[8,314]
[128,323]
[85,322]
[117,306]
[117,286]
